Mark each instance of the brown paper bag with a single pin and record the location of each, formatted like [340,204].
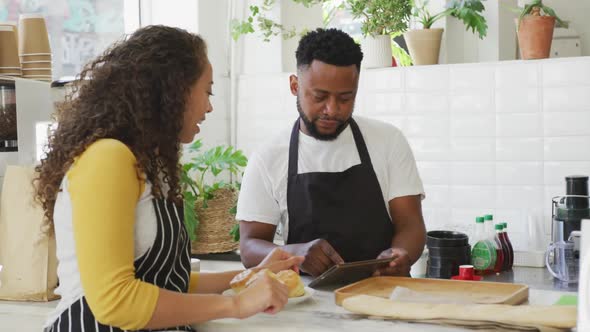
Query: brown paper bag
[27,250]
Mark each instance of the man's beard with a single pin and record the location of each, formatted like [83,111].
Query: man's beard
[313,130]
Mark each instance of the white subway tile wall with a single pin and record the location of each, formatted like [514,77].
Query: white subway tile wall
[517,100]
[566,99]
[488,138]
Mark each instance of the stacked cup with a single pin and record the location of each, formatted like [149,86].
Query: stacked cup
[33,44]
[447,251]
[9,62]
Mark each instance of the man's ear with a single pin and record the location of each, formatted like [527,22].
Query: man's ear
[293,84]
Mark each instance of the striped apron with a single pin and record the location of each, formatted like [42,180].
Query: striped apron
[166,264]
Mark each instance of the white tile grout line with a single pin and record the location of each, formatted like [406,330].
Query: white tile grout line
[540,90]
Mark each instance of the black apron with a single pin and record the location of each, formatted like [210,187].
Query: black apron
[346,208]
[166,264]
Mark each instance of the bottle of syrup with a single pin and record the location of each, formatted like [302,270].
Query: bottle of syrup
[509,245]
[490,233]
[501,250]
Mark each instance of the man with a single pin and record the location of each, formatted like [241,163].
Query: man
[344,189]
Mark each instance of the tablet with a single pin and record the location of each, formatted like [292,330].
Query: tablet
[347,273]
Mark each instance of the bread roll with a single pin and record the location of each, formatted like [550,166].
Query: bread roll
[260,274]
[292,280]
[289,278]
[244,279]
[238,283]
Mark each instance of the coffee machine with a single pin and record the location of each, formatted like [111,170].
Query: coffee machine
[569,210]
[563,255]
[26,107]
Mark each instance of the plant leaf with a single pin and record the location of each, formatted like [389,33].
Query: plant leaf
[191,220]
[214,161]
[549,11]
[235,232]
[469,11]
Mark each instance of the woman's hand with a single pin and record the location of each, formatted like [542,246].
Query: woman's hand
[266,294]
[278,260]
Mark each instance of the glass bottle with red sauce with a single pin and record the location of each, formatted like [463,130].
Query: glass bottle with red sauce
[506,240]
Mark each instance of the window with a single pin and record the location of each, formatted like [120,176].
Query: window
[79,30]
[338,17]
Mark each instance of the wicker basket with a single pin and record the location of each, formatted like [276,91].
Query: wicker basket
[215,223]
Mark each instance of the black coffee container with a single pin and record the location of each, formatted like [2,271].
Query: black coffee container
[447,250]
[569,210]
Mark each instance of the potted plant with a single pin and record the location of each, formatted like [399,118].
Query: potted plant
[424,44]
[380,20]
[259,20]
[535,30]
[209,208]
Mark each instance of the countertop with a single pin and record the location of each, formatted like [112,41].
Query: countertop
[319,313]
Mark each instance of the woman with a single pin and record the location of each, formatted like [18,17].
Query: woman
[110,189]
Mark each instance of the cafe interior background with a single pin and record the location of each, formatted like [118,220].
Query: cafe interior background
[491,133]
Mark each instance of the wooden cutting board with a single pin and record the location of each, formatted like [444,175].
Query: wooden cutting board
[466,291]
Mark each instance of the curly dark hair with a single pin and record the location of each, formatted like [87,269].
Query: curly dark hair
[331,46]
[135,92]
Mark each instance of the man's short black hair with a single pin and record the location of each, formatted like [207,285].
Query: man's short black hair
[331,46]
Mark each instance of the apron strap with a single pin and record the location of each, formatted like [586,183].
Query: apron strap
[294,149]
[360,144]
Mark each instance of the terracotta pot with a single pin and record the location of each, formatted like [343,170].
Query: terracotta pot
[535,34]
[424,45]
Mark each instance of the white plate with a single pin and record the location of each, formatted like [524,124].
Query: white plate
[292,300]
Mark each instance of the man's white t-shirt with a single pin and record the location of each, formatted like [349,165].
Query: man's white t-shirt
[263,194]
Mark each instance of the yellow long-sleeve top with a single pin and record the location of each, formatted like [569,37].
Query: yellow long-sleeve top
[104,220]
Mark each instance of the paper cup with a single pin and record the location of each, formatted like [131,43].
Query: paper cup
[35,57]
[40,71]
[36,65]
[36,61]
[8,48]
[14,26]
[33,37]
[10,71]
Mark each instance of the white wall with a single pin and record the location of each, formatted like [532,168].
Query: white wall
[208,18]
[575,11]
[177,13]
[277,55]
[462,46]
[494,137]
[213,27]
[297,15]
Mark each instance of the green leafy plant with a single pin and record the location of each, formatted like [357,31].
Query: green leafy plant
[213,161]
[535,7]
[401,56]
[268,28]
[381,17]
[468,11]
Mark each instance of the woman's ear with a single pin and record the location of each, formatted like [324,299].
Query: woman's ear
[293,84]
